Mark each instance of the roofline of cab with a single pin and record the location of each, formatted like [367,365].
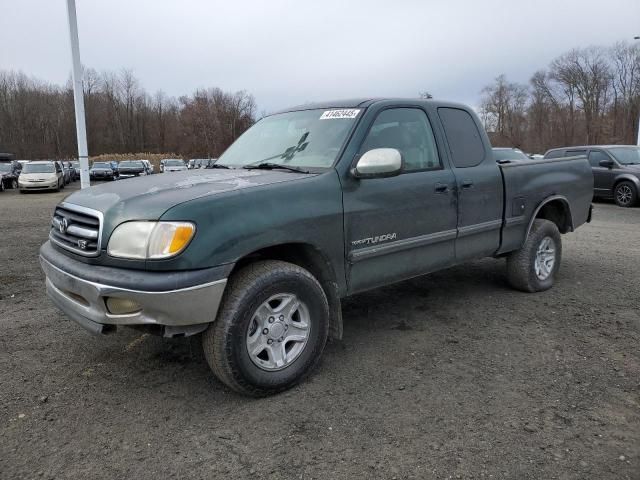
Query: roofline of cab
[368,102]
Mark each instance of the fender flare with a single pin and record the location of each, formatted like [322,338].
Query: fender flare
[545,202]
[629,178]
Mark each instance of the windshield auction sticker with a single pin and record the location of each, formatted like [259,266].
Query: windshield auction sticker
[344,113]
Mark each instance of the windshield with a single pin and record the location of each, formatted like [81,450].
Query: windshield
[174,163]
[101,165]
[310,138]
[509,154]
[627,155]
[38,168]
[5,167]
[131,164]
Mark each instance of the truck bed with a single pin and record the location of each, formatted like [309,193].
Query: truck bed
[527,184]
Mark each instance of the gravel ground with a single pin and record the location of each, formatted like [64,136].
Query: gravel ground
[453,375]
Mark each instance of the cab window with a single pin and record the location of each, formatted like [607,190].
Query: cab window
[407,130]
[595,156]
[463,136]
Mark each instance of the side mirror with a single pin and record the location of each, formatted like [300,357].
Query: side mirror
[606,163]
[378,163]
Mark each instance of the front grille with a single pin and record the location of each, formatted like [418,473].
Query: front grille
[77,229]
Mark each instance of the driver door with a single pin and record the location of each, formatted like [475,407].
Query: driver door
[402,226]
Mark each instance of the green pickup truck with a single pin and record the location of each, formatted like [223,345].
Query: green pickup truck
[308,206]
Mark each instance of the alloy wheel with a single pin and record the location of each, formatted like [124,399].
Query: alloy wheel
[624,194]
[278,332]
[545,258]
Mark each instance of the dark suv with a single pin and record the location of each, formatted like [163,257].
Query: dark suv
[616,170]
[9,173]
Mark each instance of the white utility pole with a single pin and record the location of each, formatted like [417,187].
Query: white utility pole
[78,94]
[637,37]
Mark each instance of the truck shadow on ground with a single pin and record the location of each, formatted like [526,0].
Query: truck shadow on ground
[413,305]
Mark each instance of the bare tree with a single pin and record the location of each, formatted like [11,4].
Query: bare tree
[587,73]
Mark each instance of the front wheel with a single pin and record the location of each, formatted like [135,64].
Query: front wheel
[270,330]
[14,184]
[625,194]
[534,266]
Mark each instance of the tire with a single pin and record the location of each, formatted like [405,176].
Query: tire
[625,194]
[1,185]
[14,184]
[522,271]
[261,285]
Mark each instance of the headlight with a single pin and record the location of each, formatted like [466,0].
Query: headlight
[150,240]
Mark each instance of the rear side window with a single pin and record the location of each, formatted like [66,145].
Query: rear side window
[465,142]
[575,153]
[554,154]
[595,156]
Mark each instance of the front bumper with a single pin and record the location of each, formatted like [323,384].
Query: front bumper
[101,175]
[37,185]
[180,310]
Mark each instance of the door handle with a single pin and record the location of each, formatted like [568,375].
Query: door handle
[467,184]
[441,188]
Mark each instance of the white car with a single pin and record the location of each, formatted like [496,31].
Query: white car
[174,165]
[41,176]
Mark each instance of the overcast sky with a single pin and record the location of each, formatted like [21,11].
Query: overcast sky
[291,52]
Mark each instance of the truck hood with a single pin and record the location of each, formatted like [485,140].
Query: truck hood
[148,197]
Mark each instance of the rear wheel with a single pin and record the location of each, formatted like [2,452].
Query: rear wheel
[271,329]
[534,266]
[1,185]
[625,194]
[14,183]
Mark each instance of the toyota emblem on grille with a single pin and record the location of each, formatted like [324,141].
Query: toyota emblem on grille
[63,225]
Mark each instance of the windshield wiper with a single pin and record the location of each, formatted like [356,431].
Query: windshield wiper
[272,166]
[217,165]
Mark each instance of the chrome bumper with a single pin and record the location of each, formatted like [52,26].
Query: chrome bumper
[85,302]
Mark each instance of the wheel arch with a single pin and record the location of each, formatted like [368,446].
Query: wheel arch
[555,209]
[316,262]
[625,177]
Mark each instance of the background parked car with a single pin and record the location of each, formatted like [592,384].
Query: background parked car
[197,163]
[102,171]
[9,173]
[76,168]
[149,166]
[509,154]
[132,168]
[174,165]
[211,162]
[72,171]
[616,170]
[66,172]
[41,175]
